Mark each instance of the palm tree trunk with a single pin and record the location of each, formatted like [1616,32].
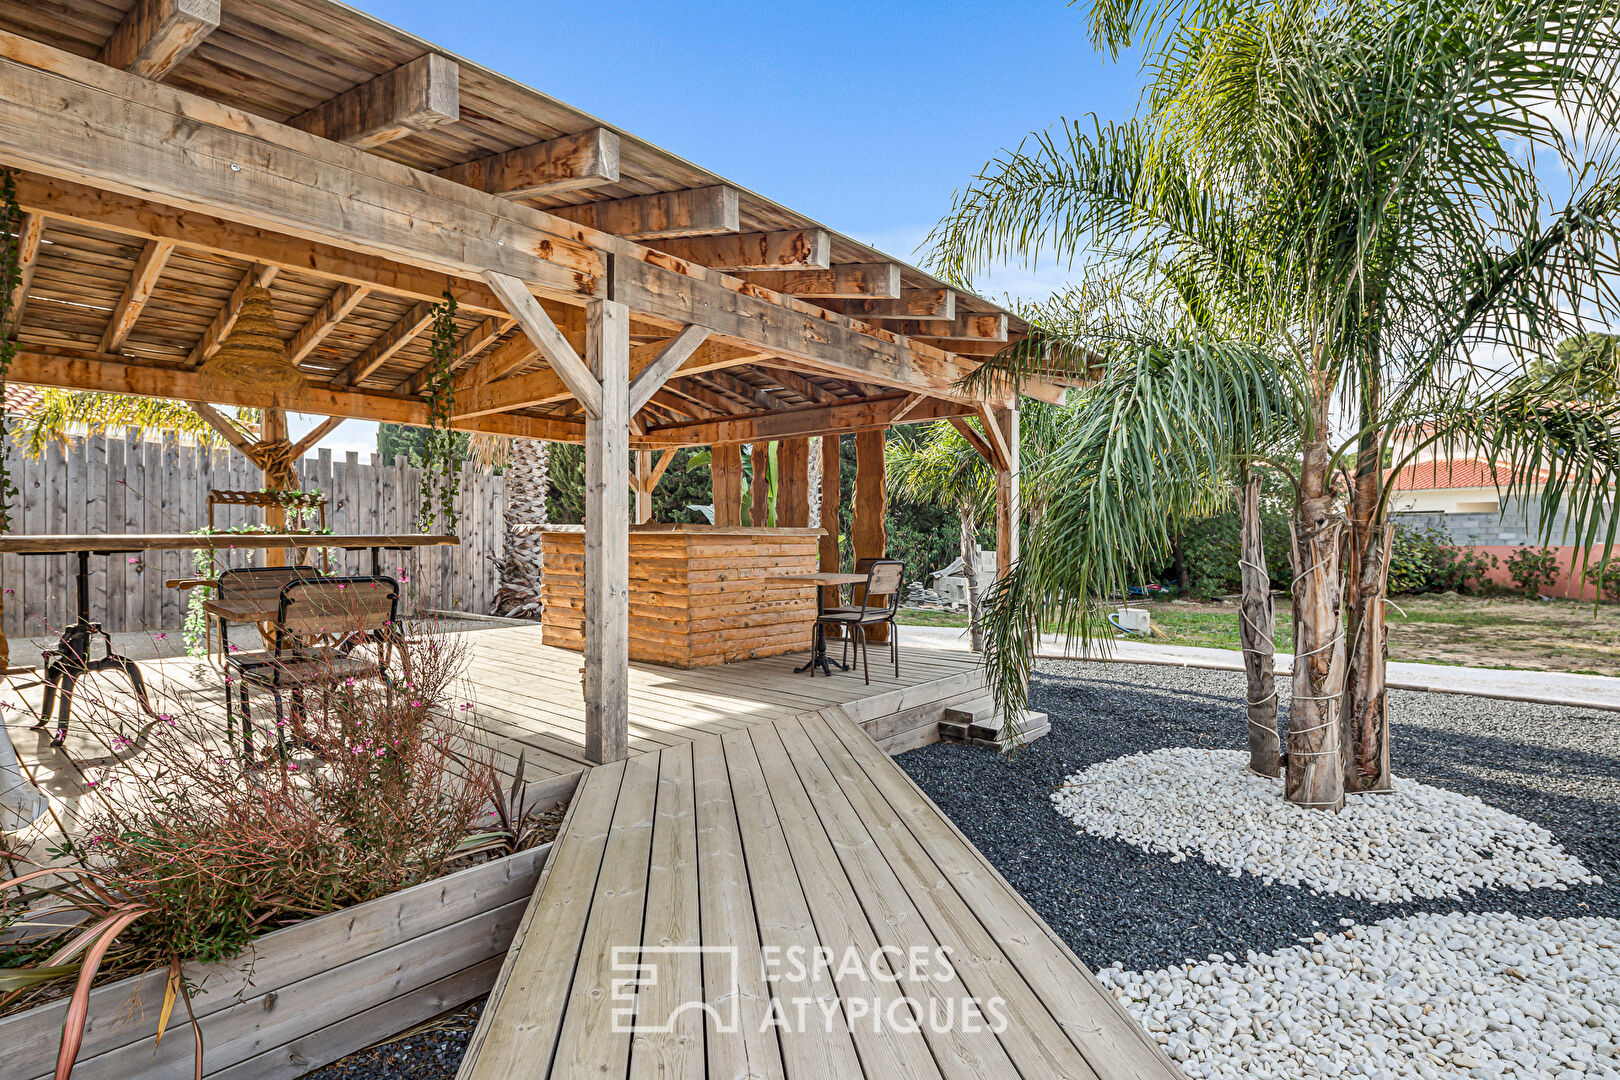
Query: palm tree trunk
[1257,627]
[970,573]
[1314,777]
[1366,707]
[527,481]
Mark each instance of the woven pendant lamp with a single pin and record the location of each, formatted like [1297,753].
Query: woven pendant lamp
[251,367]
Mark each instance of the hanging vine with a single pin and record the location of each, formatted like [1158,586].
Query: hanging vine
[10,278]
[441,457]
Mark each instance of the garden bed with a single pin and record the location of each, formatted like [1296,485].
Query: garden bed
[304,995]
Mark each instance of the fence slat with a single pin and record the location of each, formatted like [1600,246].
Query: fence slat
[126,483]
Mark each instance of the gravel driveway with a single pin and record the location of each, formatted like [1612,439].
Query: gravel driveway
[1111,902]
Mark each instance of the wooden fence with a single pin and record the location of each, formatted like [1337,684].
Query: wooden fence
[127,484]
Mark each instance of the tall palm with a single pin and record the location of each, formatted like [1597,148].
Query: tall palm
[941,468]
[1351,178]
[525,470]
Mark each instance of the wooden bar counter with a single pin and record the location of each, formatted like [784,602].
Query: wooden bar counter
[699,594]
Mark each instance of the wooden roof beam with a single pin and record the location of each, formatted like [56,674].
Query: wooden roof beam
[558,351]
[671,355]
[912,304]
[853,281]
[798,249]
[746,391]
[77,369]
[392,340]
[157,34]
[569,163]
[62,200]
[334,310]
[258,275]
[30,235]
[672,403]
[801,422]
[148,268]
[967,326]
[418,96]
[693,212]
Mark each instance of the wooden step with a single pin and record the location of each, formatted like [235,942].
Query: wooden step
[987,731]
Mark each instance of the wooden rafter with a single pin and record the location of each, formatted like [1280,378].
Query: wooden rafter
[468,346]
[157,34]
[148,268]
[344,299]
[793,423]
[798,249]
[693,212]
[911,405]
[77,369]
[702,395]
[258,275]
[567,163]
[418,96]
[128,216]
[496,364]
[802,386]
[747,392]
[912,304]
[29,237]
[967,326]
[854,281]
[388,343]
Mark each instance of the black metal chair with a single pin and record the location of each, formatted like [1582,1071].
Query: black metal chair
[884,578]
[320,624]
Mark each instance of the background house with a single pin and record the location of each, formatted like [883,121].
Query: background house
[1466,497]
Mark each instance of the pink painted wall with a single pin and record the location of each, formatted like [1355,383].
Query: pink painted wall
[1569,585]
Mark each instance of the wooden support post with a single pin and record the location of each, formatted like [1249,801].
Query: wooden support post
[831,496]
[644,486]
[759,489]
[868,532]
[607,536]
[725,465]
[273,429]
[1008,509]
[793,483]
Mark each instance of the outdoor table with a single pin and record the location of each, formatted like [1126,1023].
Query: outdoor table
[818,647]
[71,657]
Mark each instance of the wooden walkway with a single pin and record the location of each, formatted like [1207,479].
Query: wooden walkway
[705,872]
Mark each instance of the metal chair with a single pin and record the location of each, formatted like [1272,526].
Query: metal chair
[250,588]
[884,578]
[320,623]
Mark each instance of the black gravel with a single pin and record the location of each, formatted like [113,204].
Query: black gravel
[433,1054]
[1558,767]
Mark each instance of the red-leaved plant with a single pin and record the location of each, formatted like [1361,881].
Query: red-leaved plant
[192,849]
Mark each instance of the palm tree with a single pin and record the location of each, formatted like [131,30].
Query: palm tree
[525,469]
[1351,181]
[941,468]
[64,414]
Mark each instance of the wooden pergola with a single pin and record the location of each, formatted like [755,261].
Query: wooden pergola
[170,154]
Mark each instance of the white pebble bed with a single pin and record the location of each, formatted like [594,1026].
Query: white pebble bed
[1428,996]
[1417,841]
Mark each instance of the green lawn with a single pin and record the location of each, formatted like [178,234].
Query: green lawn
[1504,632]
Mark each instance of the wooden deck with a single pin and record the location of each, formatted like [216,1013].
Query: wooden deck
[528,701]
[714,863]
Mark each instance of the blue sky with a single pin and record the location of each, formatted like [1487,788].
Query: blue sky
[865,117]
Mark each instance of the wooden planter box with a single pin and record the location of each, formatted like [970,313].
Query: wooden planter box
[700,595]
[305,995]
